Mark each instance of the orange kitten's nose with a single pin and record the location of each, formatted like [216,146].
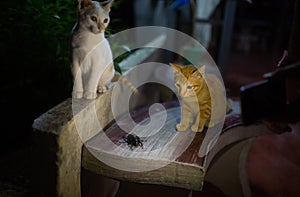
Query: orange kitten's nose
[182,92]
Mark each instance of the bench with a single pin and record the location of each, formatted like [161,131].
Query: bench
[61,153]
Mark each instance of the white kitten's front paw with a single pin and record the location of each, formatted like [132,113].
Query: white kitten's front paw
[102,89]
[77,95]
[181,127]
[90,95]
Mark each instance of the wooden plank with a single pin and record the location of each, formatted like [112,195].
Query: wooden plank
[174,174]
[168,157]
[178,165]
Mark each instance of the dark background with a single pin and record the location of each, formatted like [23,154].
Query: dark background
[35,73]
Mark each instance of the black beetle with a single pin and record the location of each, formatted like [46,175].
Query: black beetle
[133,140]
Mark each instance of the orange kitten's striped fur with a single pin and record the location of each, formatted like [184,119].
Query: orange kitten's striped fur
[191,83]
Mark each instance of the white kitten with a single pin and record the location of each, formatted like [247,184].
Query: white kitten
[92,61]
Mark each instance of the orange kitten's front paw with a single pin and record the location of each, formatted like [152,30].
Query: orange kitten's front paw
[181,127]
[197,128]
[102,89]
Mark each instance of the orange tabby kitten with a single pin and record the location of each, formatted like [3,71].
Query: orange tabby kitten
[197,98]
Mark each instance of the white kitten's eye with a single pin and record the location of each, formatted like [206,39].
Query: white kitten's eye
[105,20]
[177,85]
[93,18]
[189,87]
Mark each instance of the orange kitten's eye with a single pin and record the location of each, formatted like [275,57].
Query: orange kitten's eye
[189,87]
[177,85]
[93,18]
[105,20]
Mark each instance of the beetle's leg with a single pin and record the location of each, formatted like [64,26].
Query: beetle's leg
[141,145]
[123,140]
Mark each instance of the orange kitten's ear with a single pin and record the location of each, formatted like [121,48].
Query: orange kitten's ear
[198,72]
[202,69]
[106,5]
[176,67]
[84,3]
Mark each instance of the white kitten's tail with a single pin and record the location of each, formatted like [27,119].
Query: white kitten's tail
[127,83]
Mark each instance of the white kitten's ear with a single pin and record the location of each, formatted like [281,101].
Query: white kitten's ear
[106,5]
[84,3]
